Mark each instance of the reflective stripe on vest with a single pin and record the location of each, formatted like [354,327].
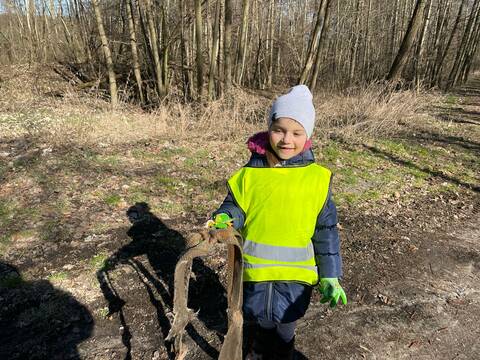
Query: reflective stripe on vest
[278,253]
[281,207]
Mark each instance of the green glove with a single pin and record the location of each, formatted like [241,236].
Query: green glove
[331,291]
[221,221]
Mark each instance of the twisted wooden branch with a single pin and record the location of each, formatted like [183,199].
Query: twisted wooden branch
[201,244]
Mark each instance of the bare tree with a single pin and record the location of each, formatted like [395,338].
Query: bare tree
[108,55]
[227,44]
[199,40]
[412,30]
[153,43]
[214,54]
[242,43]
[467,38]
[314,42]
[316,68]
[162,44]
[133,45]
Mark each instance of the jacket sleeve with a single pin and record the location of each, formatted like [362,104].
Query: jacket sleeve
[326,242]
[230,207]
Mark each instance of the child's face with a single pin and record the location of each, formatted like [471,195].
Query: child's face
[287,137]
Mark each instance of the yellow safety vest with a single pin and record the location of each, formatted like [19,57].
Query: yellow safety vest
[281,207]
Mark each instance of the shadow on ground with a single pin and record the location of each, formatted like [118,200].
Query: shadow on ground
[433,173]
[162,247]
[466,118]
[38,321]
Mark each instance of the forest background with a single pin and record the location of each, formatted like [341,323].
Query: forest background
[145,50]
[121,120]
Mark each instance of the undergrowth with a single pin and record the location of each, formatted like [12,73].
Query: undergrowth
[82,119]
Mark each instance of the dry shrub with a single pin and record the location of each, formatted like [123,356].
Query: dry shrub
[38,104]
[359,113]
[23,87]
[101,127]
[231,117]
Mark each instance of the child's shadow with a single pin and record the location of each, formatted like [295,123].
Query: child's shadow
[162,247]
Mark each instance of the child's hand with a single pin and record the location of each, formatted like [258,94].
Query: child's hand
[331,291]
[221,221]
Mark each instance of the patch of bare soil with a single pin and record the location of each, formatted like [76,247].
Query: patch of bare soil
[414,287]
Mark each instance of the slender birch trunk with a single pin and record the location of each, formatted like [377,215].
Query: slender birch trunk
[134,49]
[227,44]
[242,43]
[108,55]
[214,52]
[199,40]
[153,42]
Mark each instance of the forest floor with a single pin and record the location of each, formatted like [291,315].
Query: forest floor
[82,277]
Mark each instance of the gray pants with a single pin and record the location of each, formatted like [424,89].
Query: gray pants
[285,331]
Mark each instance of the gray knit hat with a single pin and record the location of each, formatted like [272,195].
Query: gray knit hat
[296,104]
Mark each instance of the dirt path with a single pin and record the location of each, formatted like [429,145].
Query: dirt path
[424,305]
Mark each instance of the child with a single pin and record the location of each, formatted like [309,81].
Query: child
[281,202]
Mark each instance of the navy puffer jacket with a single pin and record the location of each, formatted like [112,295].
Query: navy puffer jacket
[288,301]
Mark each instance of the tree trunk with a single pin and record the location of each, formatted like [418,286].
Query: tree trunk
[471,56]
[108,55]
[133,45]
[420,57]
[219,67]
[165,48]
[460,58]
[442,17]
[412,30]
[354,50]
[199,39]
[316,68]
[314,43]
[271,27]
[153,42]
[242,43]
[30,14]
[470,48]
[394,30]
[366,46]
[227,44]
[214,53]
[185,64]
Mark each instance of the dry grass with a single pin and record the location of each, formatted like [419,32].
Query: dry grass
[231,117]
[377,110]
[27,108]
[36,103]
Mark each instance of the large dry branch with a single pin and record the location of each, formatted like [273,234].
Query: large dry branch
[201,244]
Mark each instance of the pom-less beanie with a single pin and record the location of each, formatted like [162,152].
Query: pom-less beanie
[297,105]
